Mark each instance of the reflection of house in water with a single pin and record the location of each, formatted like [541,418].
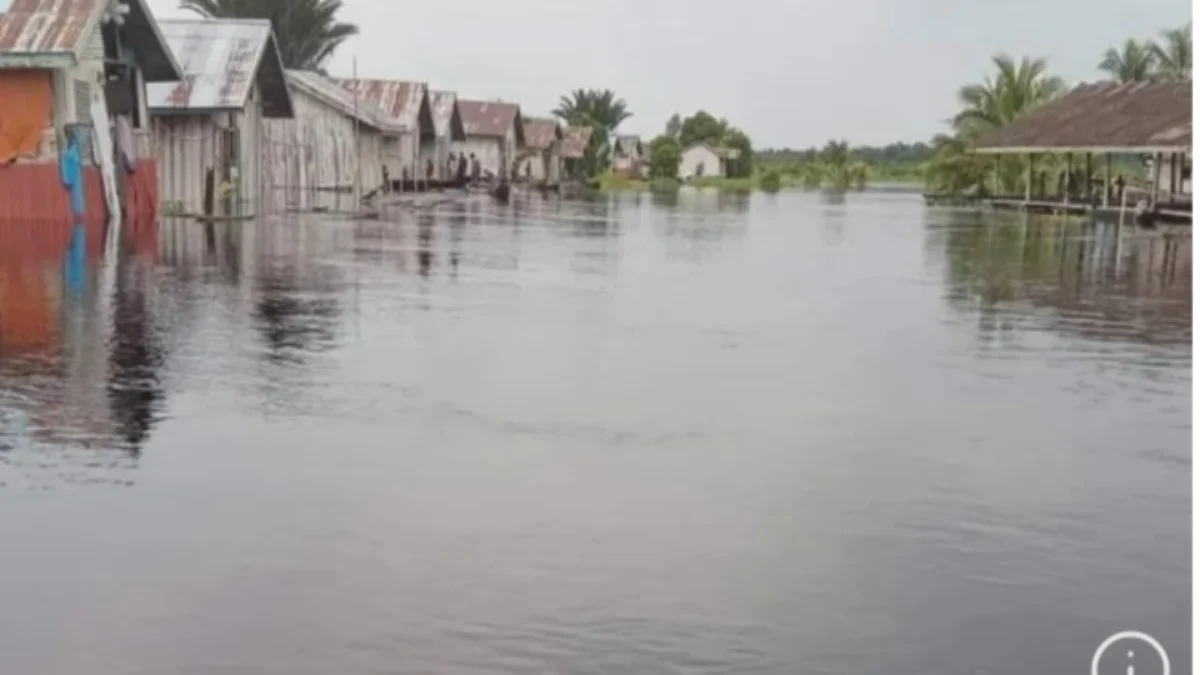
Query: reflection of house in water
[135,359]
[1136,287]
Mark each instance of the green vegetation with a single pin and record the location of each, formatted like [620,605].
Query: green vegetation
[839,166]
[664,156]
[601,110]
[307,31]
[1169,60]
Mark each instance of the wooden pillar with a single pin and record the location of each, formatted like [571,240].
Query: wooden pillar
[1029,178]
[1154,177]
[1087,178]
[1067,183]
[1107,177]
[1174,174]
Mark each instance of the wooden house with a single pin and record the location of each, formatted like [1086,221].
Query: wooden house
[573,149]
[330,153]
[448,130]
[212,118]
[494,133]
[628,156]
[540,160]
[73,76]
[407,105]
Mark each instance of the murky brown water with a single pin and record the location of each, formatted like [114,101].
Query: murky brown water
[778,434]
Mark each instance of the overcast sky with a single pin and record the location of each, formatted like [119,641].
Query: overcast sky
[790,72]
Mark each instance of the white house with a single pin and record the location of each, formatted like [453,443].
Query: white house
[701,160]
[541,160]
[212,118]
[495,133]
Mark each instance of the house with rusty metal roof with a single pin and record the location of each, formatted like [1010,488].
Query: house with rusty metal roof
[540,160]
[1104,119]
[70,69]
[573,149]
[211,118]
[342,140]
[406,103]
[495,133]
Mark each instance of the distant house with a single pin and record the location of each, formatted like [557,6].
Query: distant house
[541,161]
[212,118]
[701,160]
[573,149]
[447,130]
[406,104]
[70,69]
[628,156]
[331,153]
[494,134]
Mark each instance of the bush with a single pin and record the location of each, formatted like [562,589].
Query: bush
[770,181]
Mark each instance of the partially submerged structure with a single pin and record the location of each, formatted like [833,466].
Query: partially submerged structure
[1099,121]
[447,130]
[573,149]
[73,75]
[212,118]
[701,160]
[406,104]
[628,156]
[331,153]
[494,133]
[540,160]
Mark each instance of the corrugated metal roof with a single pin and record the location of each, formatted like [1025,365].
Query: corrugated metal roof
[446,120]
[221,59]
[575,142]
[1134,117]
[399,99]
[52,33]
[336,96]
[541,132]
[490,118]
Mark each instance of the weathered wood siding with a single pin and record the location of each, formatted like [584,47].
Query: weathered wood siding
[545,166]
[185,147]
[312,161]
[437,150]
[495,154]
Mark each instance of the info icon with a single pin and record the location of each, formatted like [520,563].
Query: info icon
[1130,652]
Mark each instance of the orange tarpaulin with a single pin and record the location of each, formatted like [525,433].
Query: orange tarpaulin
[26,97]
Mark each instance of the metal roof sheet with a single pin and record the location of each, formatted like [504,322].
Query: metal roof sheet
[399,99]
[490,118]
[575,141]
[53,33]
[541,132]
[336,96]
[1103,116]
[629,146]
[221,59]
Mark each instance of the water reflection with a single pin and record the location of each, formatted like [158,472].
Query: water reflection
[424,244]
[135,360]
[296,313]
[1095,280]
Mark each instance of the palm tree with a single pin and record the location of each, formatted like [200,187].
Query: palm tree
[593,107]
[1173,57]
[1133,63]
[997,102]
[307,31]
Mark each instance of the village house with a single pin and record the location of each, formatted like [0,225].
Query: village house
[72,80]
[448,130]
[407,105]
[701,160]
[495,133]
[212,118]
[540,161]
[331,153]
[573,149]
[628,156]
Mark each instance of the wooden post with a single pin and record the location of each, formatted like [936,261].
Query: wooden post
[209,191]
[1067,183]
[1028,179]
[1087,178]
[1107,177]
[1174,173]
[1154,177]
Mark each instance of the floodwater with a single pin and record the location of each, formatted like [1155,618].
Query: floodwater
[793,433]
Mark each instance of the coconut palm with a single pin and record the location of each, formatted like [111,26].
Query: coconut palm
[1134,62]
[1173,56]
[593,107]
[1015,89]
[307,31]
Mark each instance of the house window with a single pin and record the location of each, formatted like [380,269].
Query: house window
[83,102]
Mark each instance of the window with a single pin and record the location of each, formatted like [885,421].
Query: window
[83,102]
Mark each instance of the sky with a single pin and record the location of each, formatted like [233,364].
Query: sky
[791,73]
